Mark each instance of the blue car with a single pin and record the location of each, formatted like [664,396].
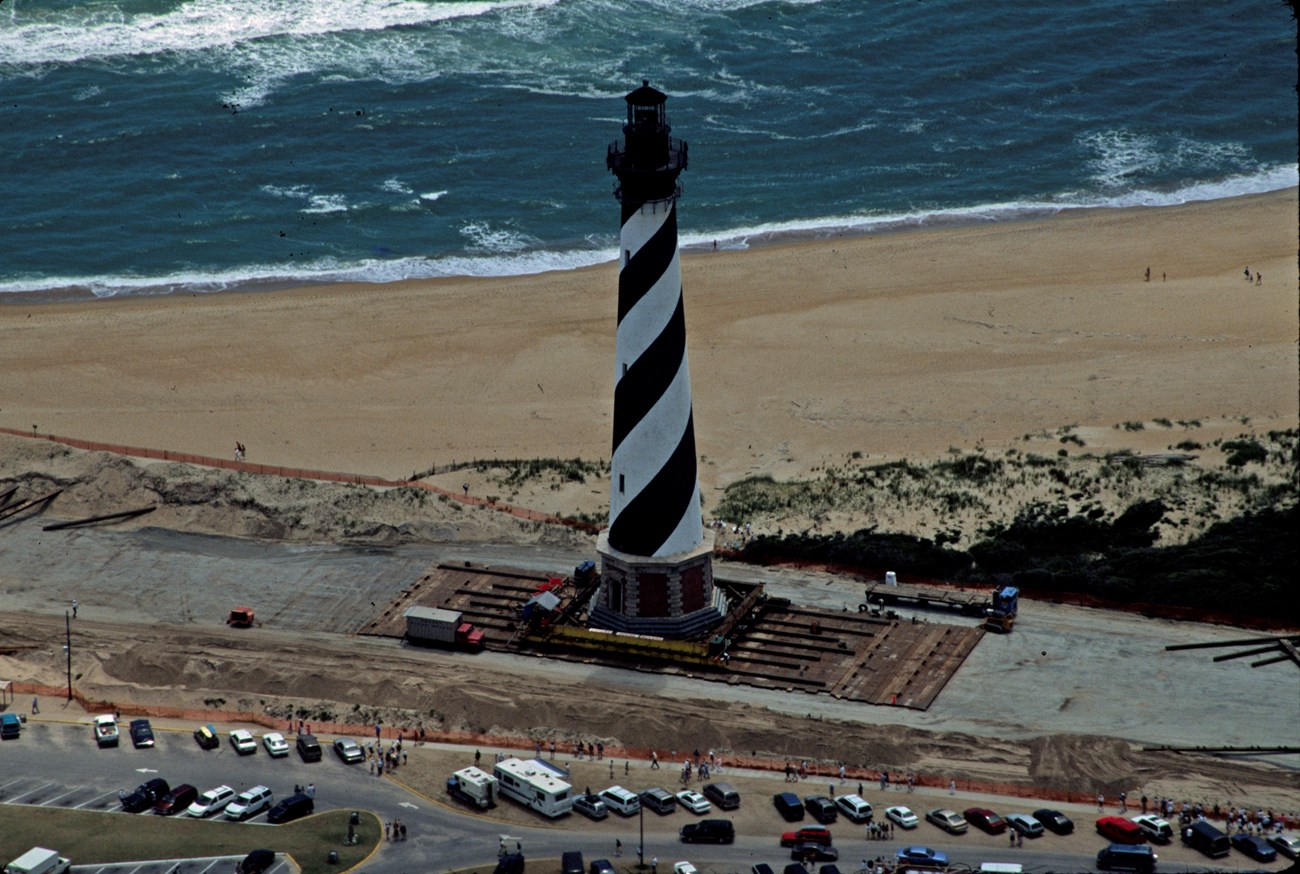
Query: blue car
[925,857]
[1254,846]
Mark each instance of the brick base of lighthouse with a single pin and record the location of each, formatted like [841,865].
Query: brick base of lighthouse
[669,596]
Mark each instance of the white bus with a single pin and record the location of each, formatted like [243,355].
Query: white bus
[534,784]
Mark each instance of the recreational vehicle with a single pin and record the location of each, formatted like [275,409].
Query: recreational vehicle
[534,783]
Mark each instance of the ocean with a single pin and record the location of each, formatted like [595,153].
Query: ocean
[150,146]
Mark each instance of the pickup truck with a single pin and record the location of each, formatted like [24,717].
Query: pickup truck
[106,734]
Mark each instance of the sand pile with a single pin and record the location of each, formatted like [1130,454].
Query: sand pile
[203,500]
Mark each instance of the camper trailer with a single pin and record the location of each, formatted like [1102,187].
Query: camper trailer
[534,783]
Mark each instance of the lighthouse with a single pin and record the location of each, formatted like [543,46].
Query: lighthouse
[656,556]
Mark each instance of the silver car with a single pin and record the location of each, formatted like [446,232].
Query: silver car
[1025,824]
[950,820]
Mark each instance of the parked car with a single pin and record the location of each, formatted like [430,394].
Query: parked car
[694,801]
[949,820]
[1254,846]
[794,868]
[308,747]
[206,737]
[141,733]
[256,862]
[661,801]
[275,744]
[788,805]
[764,868]
[243,742]
[829,869]
[176,801]
[510,863]
[1054,820]
[212,801]
[1156,829]
[293,807]
[902,816]
[1127,857]
[349,750]
[722,794]
[925,857]
[985,820]
[622,801]
[249,803]
[571,862]
[811,852]
[1120,830]
[809,834]
[684,868]
[590,806]
[145,796]
[718,831]
[1202,836]
[854,807]
[821,808]
[1286,845]
[1025,824]
[601,866]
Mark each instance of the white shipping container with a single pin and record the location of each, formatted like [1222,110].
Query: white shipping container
[432,623]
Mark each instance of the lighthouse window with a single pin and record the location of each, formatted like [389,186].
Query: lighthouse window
[620,483]
[627,256]
[625,368]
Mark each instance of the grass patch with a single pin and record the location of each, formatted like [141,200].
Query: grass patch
[89,837]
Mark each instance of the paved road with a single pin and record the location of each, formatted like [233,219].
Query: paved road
[58,765]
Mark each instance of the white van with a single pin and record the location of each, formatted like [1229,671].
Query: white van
[621,801]
[854,807]
[249,803]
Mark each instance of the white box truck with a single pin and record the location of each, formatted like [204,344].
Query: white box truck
[38,860]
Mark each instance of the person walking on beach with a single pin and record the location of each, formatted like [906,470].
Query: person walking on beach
[74,608]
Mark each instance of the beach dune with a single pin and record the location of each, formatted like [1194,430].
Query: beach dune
[897,345]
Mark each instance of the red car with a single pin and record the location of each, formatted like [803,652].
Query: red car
[985,819]
[809,834]
[1120,830]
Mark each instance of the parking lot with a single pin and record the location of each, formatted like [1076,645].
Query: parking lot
[209,865]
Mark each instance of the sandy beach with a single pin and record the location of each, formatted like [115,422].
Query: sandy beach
[897,345]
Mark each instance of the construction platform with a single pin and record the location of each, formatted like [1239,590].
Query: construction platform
[773,644]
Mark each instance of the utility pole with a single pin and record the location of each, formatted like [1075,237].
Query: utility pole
[67,621]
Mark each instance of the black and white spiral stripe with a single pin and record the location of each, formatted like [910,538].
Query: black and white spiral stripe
[655,498]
